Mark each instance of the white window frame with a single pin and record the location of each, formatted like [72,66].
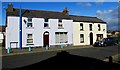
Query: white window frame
[29,39]
[81,38]
[46,23]
[61,37]
[29,22]
[81,27]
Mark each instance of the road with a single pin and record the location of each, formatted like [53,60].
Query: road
[26,59]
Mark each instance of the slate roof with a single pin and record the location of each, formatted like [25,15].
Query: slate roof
[54,15]
[39,14]
[86,19]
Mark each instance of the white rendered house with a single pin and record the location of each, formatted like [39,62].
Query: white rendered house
[48,28]
[87,30]
[39,29]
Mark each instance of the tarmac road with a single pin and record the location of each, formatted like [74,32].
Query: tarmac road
[27,59]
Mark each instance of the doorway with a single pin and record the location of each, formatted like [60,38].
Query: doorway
[46,39]
[91,38]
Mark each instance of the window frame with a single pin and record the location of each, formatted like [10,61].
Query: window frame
[82,38]
[29,23]
[90,27]
[29,39]
[81,27]
[46,20]
[99,27]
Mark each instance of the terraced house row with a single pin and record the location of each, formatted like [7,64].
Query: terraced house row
[38,28]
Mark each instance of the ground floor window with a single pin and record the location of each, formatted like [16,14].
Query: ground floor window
[99,37]
[81,38]
[61,37]
[29,38]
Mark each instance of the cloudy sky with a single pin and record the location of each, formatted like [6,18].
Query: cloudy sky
[107,11]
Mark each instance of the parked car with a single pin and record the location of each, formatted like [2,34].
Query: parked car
[106,42]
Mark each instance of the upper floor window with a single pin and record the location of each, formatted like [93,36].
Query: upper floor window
[60,20]
[90,26]
[29,23]
[99,28]
[46,22]
[60,25]
[81,26]
[46,19]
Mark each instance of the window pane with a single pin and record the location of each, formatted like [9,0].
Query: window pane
[29,36]
[29,19]
[29,24]
[98,27]
[29,40]
[60,20]
[81,26]
[90,26]
[81,38]
[46,19]
[57,37]
[46,25]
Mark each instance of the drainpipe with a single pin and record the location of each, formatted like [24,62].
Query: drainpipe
[20,28]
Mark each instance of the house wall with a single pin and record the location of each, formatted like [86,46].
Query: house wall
[1,37]
[12,31]
[86,32]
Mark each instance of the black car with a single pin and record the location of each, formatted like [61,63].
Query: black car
[106,42]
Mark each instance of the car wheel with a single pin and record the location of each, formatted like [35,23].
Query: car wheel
[105,45]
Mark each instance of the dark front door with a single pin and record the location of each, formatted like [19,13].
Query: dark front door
[91,38]
[46,39]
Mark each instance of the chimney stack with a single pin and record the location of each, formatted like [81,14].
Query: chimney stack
[65,11]
[10,8]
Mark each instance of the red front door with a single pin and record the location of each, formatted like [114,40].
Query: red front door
[46,39]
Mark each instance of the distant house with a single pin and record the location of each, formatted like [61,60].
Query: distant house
[2,35]
[113,33]
[47,28]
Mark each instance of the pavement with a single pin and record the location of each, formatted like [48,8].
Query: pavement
[39,49]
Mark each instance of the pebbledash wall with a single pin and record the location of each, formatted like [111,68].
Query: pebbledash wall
[12,31]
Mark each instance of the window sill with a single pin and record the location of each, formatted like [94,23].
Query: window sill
[29,44]
[60,27]
[81,30]
[46,27]
[30,27]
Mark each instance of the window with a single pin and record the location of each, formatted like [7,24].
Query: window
[29,38]
[81,26]
[60,25]
[61,37]
[46,23]
[99,27]
[29,23]
[60,20]
[81,38]
[90,26]
[99,37]
[46,19]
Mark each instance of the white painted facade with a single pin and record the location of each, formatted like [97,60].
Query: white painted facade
[1,37]
[12,31]
[86,32]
